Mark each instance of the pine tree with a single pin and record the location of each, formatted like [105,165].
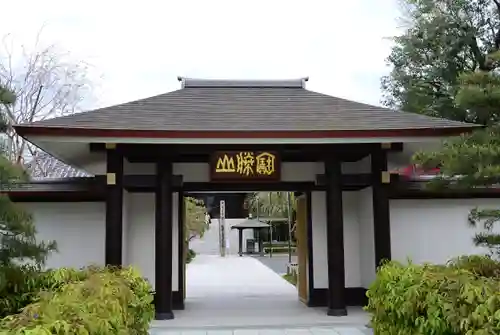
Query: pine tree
[473,161]
[446,64]
[17,231]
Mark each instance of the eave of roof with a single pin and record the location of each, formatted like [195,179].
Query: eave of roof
[24,130]
[244,109]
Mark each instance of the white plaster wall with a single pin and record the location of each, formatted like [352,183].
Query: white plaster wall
[209,243]
[78,228]
[366,237]
[141,236]
[351,239]
[434,230]
[422,230]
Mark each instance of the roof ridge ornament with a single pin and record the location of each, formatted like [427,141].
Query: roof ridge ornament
[238,83]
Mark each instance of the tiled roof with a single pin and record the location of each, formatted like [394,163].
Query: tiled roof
[224,105]
[44,166]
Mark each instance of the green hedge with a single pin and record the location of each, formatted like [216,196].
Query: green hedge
[278,250]
[462,297]
[89,301]
[277,244]
[291,278]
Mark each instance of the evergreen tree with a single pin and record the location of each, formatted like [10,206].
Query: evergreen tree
[443,39]
[17,231]
[446,64]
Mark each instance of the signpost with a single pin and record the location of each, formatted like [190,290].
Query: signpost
[222,228]
[238,166]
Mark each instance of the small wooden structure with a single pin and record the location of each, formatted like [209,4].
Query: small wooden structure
[255,225]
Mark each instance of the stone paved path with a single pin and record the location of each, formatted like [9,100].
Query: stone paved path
[240,295]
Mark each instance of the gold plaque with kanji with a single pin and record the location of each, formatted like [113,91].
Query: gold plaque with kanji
[245,165]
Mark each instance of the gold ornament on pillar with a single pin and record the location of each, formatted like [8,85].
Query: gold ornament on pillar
[386,177]
[111,178]
[386,146]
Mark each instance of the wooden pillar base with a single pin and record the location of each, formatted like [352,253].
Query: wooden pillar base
[337,312]
[164,316]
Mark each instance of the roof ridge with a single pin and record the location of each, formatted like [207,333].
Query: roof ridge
[242,83]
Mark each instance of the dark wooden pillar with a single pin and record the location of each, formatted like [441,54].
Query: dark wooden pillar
[240,242]
[182,252]
[381,210]
[163,241]
[335,238]
[114,206]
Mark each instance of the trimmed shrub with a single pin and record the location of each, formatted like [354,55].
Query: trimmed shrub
[433,299]
[482,266]
[278,250]
[21,284]
[91,301]
[191,254]
[291,278]
[277,244]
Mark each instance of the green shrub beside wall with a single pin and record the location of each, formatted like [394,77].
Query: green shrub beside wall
[436,299]
[279,250]
[191,254]
[277,244]
[91,301]
[21,284]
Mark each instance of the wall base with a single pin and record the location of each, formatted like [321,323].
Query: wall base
[354,296]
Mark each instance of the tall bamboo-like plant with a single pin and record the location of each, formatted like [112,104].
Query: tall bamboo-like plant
[270,204]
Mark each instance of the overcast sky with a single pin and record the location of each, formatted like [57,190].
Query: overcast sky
[140,47]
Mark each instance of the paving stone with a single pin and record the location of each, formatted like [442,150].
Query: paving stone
[298,331]
[164,332]
[271,331]
[246,332]
[194,332]
[349,331]
[220,332]
[323,331]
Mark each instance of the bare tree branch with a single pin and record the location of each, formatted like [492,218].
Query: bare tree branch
[47,84]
